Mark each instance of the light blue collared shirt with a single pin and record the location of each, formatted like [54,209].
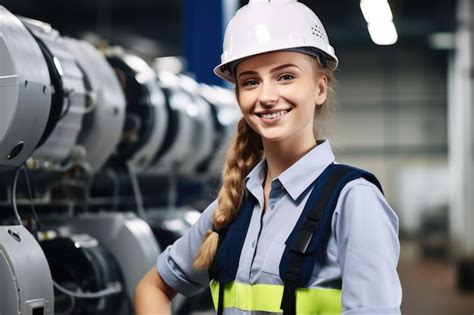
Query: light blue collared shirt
[363,248]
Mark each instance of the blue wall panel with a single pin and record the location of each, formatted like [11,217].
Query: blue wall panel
[203,26]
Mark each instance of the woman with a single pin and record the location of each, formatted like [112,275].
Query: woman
[263,244]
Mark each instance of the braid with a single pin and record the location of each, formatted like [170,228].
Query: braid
[244,153]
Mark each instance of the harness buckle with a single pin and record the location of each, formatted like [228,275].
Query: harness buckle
[301,244]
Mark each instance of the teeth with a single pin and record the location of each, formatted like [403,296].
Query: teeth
[274,115]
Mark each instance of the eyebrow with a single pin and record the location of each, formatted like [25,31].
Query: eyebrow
[286,65]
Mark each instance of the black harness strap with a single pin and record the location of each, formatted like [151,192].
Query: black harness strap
[220,303]
[299,247]
[288,301]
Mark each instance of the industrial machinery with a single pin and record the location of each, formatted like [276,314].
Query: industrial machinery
[26,92]
[25,277]
[103,140]
[68,104]
[80,263]
[128,237]
[146,118]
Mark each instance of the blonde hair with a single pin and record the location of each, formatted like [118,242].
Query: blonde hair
[324,114]
[244,153]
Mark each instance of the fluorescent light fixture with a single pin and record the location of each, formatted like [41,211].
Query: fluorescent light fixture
[379,19]
[376,10]
[383,33]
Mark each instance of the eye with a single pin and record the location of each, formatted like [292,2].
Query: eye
[250,82]
[286,77]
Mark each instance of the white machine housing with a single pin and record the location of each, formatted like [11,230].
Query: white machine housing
[25,277]
[60,149]
[106,102]
[25,88]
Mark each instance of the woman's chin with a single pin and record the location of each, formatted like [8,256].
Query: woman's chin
[274,138]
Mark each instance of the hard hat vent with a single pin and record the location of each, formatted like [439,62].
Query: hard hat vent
[316,31]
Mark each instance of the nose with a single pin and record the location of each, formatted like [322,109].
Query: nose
[268,94]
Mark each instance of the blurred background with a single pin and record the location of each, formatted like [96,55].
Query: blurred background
[132,147]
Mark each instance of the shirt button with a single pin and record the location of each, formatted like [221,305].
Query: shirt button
[253,244]
[272,205]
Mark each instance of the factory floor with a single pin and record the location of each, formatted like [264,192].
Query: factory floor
[429,286]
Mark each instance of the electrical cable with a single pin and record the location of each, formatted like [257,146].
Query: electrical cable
[30,194]
[15,207]
[67,94]
[113,288]
[38,222]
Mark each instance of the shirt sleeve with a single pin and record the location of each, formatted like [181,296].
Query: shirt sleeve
[366,231]
[174,264]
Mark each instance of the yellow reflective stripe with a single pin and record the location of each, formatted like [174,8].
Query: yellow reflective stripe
[267,298]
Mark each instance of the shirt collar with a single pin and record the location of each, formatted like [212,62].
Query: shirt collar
[303,172]
[256,177]
[297,178]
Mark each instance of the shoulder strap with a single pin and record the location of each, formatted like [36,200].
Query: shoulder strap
[313,226]
[231,241]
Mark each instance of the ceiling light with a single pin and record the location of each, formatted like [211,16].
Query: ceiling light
[379,19]
[383,33]
[374,10]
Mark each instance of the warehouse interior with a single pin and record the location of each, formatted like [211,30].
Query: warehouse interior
[133,146]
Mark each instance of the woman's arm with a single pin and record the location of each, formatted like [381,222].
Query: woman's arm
[368,249]
[153,295]
[173,272]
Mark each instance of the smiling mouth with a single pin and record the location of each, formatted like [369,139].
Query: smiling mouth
[274,115]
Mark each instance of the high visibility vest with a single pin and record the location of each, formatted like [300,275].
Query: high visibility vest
[308,238]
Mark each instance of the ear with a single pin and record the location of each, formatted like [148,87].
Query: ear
[321,92]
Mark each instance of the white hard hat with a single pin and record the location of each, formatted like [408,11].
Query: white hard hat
[270,25]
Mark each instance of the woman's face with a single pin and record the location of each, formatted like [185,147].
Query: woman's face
[278,93]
